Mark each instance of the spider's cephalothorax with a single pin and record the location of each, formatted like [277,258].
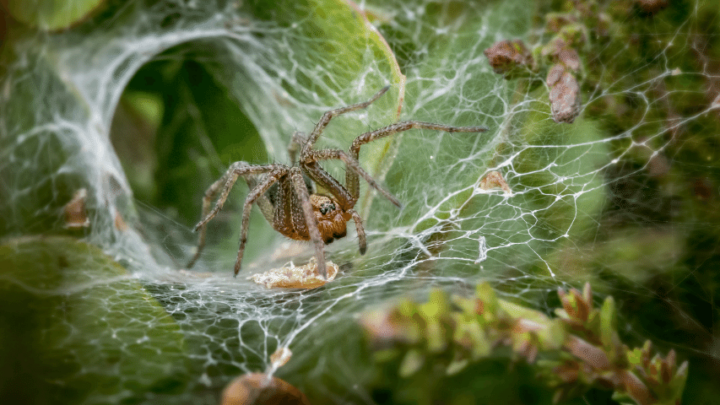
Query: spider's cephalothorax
[287,199]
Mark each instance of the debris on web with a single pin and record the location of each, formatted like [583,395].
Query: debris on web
[495,180]
[280,357]
[509,58]
[75,211]
[292,276]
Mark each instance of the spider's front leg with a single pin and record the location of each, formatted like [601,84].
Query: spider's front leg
[310,221]
[351,176]
[352,165]
[325,120]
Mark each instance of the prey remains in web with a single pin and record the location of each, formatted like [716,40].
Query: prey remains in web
[286,194]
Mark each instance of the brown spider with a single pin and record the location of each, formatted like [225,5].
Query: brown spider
[292,206]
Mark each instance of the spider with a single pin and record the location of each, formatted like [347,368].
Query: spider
[286,196]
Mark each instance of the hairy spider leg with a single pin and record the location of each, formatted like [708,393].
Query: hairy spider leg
[360,231]
[254,194]
[310,220]
[263,202]
[298,139]
[325,120]
[329,183]
[352,183]
[289,218]
[225,183]
[352,165]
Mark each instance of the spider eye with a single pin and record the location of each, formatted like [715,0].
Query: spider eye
[327,208]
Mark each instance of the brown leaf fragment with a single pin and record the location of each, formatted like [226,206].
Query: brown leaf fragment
[570,58]
[555,21]
[507,56]
[120,223]
[281,356]
[558,51]
[564,94]
[494,179]
[260,389]
[75,212]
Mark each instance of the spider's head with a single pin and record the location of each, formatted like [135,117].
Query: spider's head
[331,218]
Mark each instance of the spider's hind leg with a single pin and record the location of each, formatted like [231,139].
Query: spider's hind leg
[360,231]
[310,220]
[256,193]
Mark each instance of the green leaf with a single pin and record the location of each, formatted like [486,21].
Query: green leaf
[456,366]
[77,327]
[608,323]
[52,14]
[411,363]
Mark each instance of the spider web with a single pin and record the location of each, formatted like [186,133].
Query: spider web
[577,192]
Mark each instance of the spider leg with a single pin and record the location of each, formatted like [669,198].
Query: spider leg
[310,220]
[325,120]
[296,142]
[360,231]
[263,202]
[352,164]
[324,179]
[236,170]
[254,194]
[225,183]
[351,178]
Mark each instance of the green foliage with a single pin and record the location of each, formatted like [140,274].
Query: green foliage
[52,14]
[75,328]
[577,350]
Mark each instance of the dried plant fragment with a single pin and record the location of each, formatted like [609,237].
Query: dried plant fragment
[555,21]
[306,276]
[564,94]
[559,51]
[120,223]
[75,212]
[281,356]
[570,58]
[494,179]
[261,389]
[507,57]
